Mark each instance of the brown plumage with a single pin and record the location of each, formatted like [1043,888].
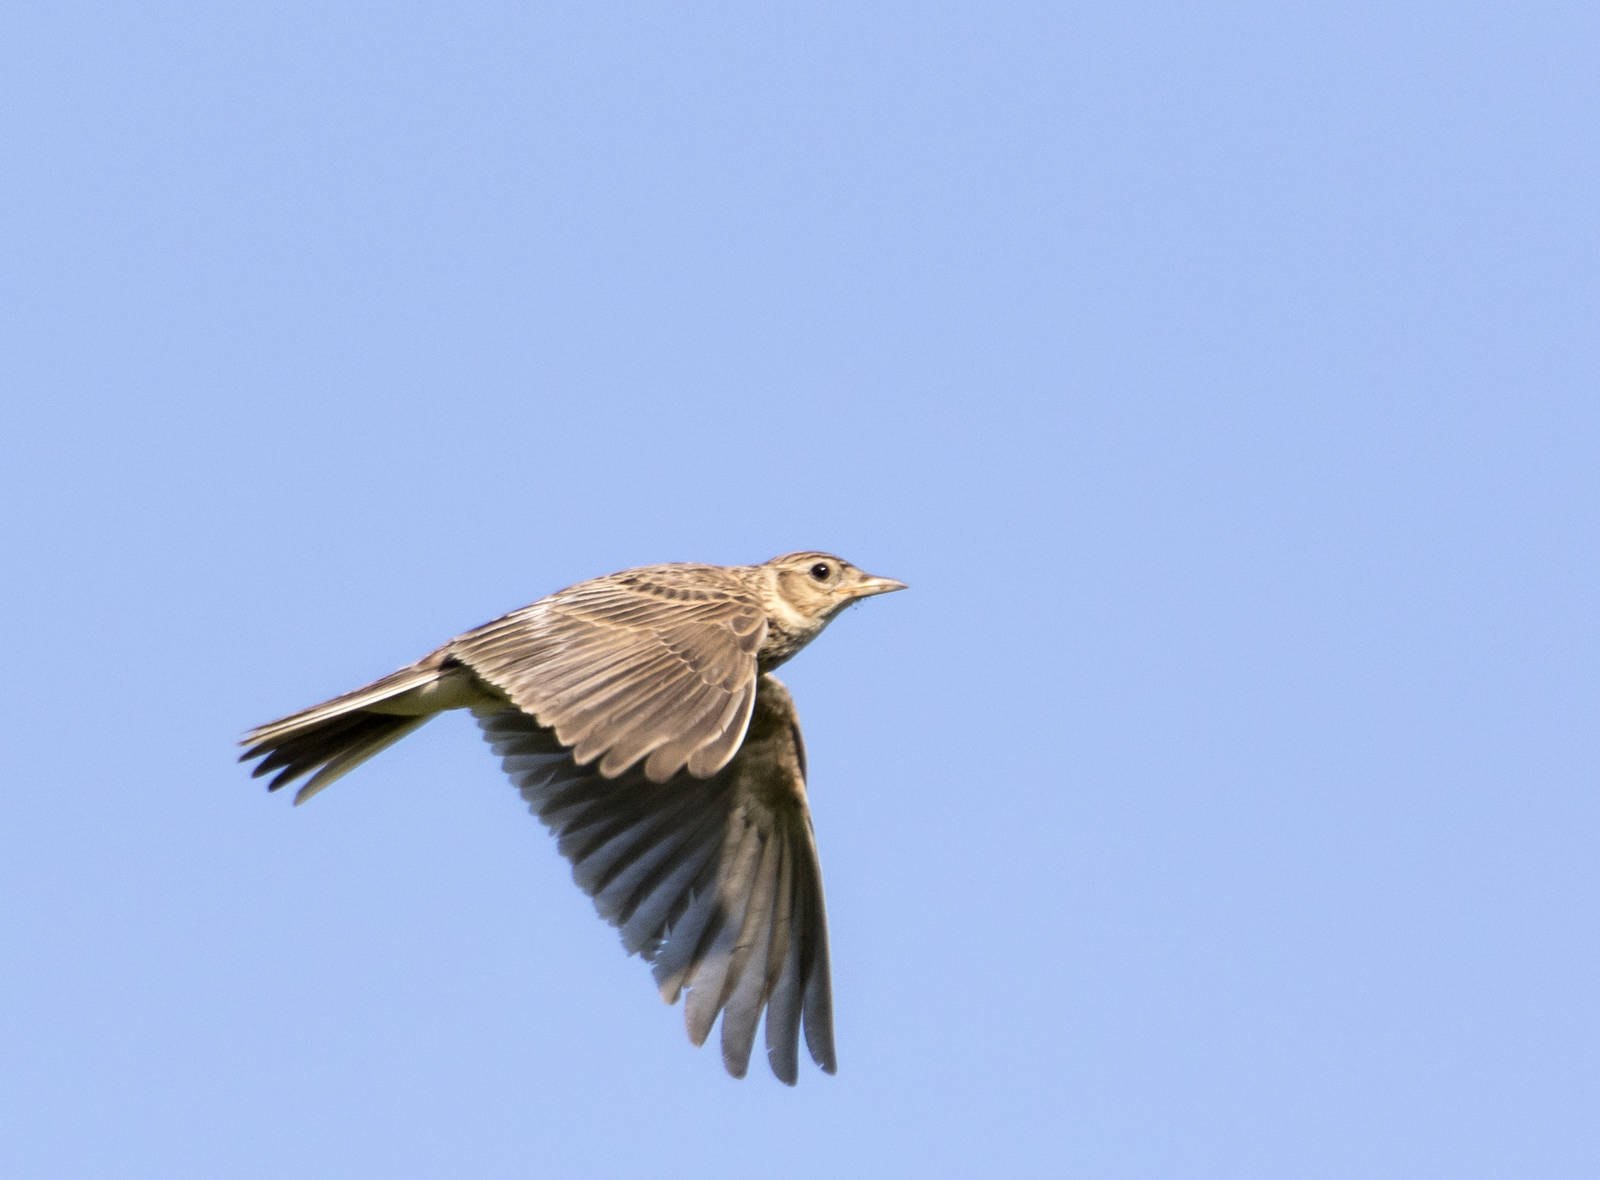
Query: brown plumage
[637,715]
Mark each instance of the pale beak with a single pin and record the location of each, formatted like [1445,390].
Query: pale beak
[869,584]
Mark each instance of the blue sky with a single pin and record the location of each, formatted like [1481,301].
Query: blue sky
[1221,799]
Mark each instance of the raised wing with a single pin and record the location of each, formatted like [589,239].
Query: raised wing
[660,668]
[714,880]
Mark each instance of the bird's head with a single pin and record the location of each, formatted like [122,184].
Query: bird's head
[818,586]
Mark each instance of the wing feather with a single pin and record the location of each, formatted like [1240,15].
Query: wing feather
[709,969]
[713,881]
[745,991]
[659,667]
[783,973]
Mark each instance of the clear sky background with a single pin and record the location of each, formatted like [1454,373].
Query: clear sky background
[1225,381]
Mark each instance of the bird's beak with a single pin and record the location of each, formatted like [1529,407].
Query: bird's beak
[870,584]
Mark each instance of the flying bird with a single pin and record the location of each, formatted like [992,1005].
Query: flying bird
[638,715]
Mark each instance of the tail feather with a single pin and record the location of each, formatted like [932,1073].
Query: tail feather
[331,748]
[377,695]
[329,740]
[377,737]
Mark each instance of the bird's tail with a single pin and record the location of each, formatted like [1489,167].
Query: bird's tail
[333,738]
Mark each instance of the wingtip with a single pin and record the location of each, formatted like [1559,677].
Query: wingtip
[315,786]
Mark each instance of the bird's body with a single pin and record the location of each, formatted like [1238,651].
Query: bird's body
[637,714]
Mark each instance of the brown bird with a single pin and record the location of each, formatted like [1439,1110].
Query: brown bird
[638,716]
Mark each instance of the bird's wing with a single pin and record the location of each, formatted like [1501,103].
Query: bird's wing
[629,667]
[714,881]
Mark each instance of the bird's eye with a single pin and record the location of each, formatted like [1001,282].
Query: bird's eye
[821,570]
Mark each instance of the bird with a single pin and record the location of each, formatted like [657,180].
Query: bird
[638,716]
